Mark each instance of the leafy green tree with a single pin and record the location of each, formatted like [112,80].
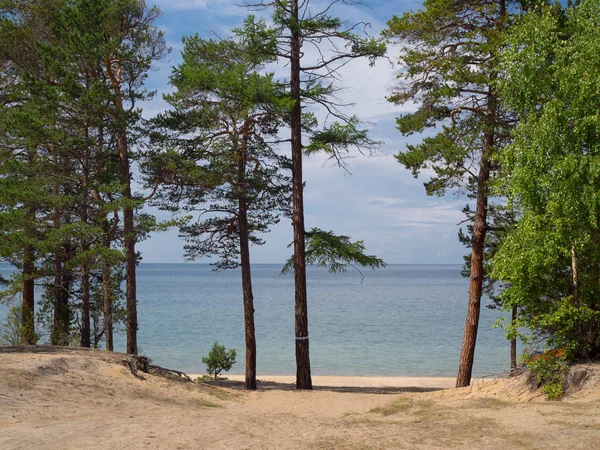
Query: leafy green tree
[215,159]
[295,26]
[551,259]
[449,50]
[219,359]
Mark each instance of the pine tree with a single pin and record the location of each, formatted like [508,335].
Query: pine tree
[226,170]
[450,53]
[297,25]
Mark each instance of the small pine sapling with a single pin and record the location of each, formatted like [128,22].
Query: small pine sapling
[219,359]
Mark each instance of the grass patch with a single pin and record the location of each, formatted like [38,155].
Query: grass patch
[201,403]
[221,395]
[487,403]
[205,379]
[399,405]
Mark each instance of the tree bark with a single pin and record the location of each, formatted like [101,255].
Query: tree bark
[467,353]
[245,263]
[575,277]
[85,270]
[513,343]
[303,375]
[61,322]
[129,238]
[66,279]
[28,304]
[28,283]
[106,242]
[106,289]
[248,298]
[128,212]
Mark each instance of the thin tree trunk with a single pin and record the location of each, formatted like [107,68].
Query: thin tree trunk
[467,353]
[575,294]
[28,304]
[56,337]
[248,298]
[130,259]
[106,289]
[245,263]
[66,278]
[575,278]
[106,242]
[85,270]
[513,343]
[62,320]
[28,283]
[303,375]
[128,213]
[61,323]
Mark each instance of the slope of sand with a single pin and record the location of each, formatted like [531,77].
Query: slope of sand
[80,399]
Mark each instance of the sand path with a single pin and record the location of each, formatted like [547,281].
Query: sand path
[88,400]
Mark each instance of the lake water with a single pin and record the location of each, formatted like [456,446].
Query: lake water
[403,320]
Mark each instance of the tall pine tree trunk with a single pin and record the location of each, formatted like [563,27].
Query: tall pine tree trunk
[28,283]
[66,279]
[245,263]
[106,289]
[106,243]
[303,376]
[61,323]
[128,212]
[248,298]
[85,270]
[129,238]
[467,353]
[28,304]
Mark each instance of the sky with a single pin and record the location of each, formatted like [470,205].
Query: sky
[380,202]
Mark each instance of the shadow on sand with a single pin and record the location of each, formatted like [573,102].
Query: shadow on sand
[274,386]
[231,384]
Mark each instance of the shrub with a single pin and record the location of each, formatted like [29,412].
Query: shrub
[219,359]
[549,370]
[11,332]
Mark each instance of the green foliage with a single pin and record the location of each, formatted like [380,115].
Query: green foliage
[213,153]
[13,329]
[550,260]
[11,332]
[317,83]
[448,50]
[204,378]
[548,370]
[219,359]
[336,253]
[334,140]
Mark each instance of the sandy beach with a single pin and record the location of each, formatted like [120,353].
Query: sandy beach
[53,398]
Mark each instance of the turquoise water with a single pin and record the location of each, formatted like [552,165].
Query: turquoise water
[404,320]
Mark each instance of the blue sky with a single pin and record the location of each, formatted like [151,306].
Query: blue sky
[380,203]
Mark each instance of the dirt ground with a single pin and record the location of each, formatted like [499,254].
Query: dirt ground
[53,398]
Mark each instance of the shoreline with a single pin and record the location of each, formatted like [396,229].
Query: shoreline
[352,381]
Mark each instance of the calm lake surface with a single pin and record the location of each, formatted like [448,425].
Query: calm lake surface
[403,320]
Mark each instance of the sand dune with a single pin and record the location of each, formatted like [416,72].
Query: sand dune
[80,399]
